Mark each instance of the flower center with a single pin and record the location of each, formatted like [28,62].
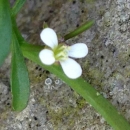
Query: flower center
[61,52]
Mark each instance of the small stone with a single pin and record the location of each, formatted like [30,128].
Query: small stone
[48,81]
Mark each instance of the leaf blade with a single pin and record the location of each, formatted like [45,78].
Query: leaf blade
[17,6]
[5,29]
[79,30]
[19,78]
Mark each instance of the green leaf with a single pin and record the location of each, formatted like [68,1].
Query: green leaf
[5,29]
[102,105]
[19,77]
[17,6]
[79,30]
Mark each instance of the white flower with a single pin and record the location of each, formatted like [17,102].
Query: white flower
[61,53]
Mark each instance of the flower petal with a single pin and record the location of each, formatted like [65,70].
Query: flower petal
[49,37]
[78,50]
[71,68]
[46,56]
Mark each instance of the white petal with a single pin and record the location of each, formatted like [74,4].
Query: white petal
[46,56]
[49,37]
[71,68]
[78,50]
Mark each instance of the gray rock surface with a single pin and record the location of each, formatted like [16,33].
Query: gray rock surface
[53,105]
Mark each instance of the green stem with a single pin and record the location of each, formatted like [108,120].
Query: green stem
[16,30]
[102,105]
[79,30]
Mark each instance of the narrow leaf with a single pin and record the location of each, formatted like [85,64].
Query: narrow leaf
[17,6]
[5,29]
[19,77]
[79,30]
[102,105]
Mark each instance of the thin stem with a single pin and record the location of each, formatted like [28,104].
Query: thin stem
[16,30]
